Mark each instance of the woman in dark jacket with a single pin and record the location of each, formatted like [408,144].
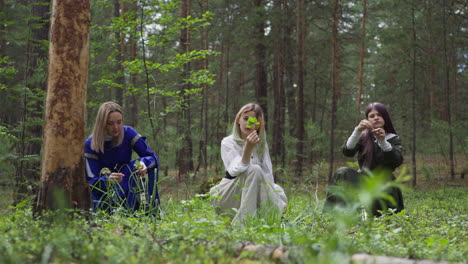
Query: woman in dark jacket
[379,149]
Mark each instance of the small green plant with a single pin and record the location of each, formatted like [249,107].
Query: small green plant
[252,121]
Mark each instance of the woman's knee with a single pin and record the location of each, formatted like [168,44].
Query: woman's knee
[346,174]
[255,173]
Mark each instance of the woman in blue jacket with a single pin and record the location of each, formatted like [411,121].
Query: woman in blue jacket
[115,179]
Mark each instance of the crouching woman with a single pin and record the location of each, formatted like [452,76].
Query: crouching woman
[248,186]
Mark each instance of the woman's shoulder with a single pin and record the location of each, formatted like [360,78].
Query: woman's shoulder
[228,140]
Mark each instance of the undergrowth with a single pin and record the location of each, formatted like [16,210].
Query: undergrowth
[433,226]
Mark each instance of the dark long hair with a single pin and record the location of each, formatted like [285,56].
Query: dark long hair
[367,139]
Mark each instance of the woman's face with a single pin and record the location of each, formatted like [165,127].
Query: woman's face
[243,121]
[114,124]
[376,119]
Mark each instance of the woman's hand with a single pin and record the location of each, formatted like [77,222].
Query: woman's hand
[116,177]
[253,138]
[379,133]
[142,170]
[363,125]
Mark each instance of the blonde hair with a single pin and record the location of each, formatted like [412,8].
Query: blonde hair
[236,132]
[99,130]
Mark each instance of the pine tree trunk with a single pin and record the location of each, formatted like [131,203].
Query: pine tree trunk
[63,182]
[119,10]
[185,160]
[448,92]
[361,59]
[132,97]
[278,87]
[335,85]
[414,93]
[289,69]
[300,90]
[3,46]
[260,58]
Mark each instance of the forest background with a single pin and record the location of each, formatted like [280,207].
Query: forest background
[182,69]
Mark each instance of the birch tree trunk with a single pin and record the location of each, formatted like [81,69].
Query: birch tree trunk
[63,182]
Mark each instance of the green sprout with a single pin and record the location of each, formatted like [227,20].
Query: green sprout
[137,165]
[105,171]
[252,121]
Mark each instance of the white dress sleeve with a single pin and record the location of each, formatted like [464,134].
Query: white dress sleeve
[231,154]
[353,139]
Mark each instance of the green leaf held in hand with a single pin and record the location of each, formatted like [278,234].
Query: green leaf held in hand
[137,165]
[252,121]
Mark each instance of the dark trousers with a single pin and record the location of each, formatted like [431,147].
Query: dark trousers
[344,177]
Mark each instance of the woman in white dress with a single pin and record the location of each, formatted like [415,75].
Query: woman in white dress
[249,184]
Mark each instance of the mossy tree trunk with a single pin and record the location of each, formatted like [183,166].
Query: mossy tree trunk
[63,182]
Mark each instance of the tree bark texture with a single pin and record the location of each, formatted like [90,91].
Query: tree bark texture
[278,148]
[448,91]
[63,181]
[414,93]
[335,84]
[119,11]
[300,89]
[260,57]
[361,59]
[185,160]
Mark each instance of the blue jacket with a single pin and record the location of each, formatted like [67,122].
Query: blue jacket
[119,159]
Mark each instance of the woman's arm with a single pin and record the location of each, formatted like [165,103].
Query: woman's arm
[232,154]
[394,157]
[146,154]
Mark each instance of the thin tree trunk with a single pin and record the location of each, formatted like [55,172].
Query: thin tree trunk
[185,152]
[3,46]
[132,97]
[120,80]
[63,181]
[278,87]
[361,58]
[260,58]
[300,90]
[28,171]
[447,90]
[414,93]
[202,156]
[289,69]
[335,84]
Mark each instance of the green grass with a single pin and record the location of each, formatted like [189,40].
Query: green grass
[434,226]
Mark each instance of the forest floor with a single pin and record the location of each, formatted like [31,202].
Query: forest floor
[188,230]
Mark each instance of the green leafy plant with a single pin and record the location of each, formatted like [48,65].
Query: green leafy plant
[252,121]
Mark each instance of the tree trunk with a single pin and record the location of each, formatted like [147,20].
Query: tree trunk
[447,91]
[132,97]
[300,90]
[63,182]
[28,170]
[3,46]
[260,57]
[202,147]
[185,152]
[361,59]
[119,10]
[335,84]
[289,69]
[414,93]
[278,147]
